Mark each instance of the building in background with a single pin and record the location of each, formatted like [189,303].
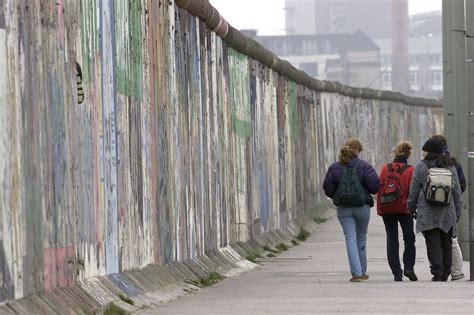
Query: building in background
[374,18]
[352,59]
[338,16]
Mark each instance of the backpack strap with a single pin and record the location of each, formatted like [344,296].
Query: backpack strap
[390,167]
[426,163]
[403,168]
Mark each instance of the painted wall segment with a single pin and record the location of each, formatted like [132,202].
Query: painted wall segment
[172,146]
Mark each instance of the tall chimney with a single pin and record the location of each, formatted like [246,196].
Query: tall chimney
[400,61]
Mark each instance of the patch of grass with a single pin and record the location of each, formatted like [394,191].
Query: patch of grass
[113,309]
[320,220]
[126,299]
[253,257]
[271,250]
[303,235]
[271,255]
[213,278]
[282,247]
[295,242]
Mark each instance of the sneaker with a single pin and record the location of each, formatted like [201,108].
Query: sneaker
[410,274]
[457,277]
[356,279]
[365,277]
[397,278]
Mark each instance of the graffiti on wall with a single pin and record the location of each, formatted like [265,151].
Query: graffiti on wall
[181,144]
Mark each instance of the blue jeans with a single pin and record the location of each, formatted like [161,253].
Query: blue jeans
[354,222]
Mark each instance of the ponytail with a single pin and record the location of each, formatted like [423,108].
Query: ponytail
[346,155]
[350,150]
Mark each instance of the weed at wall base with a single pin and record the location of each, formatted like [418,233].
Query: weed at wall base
[126,299]
[113,309]
[213,278]
[303,235]
[320,220]
[282,247]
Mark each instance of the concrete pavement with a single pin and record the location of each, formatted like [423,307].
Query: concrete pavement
[313,277]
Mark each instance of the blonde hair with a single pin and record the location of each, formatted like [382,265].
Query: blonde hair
[403,150]
[351,149]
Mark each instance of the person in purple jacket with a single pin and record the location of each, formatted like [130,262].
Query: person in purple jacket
[354,220]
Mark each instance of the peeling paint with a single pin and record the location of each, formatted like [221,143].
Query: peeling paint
[172,145]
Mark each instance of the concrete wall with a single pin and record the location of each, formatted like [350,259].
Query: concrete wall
[131,134]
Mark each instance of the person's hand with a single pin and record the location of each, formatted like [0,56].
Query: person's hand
[413,214]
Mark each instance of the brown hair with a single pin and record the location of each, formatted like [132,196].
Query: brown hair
[403,150]
[351,149]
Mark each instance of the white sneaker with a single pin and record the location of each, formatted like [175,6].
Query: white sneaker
[457,277]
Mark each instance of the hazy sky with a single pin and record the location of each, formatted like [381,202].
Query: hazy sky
[269,18]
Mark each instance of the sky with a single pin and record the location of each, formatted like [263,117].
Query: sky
[239,15]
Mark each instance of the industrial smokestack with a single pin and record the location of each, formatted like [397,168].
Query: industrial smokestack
[400,61]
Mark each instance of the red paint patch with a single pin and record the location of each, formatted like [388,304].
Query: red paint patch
[59,268]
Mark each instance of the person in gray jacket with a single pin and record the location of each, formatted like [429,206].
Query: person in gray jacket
[435,222]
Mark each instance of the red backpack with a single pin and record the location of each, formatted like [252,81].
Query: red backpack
[391,195]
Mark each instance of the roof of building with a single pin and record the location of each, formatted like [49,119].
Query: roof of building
[320,43]
[358,41]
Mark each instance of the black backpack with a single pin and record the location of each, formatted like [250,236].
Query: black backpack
[349,192]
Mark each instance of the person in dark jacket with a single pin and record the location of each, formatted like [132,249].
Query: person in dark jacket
[396,211]
[354,220]
[436,222]
[456,267]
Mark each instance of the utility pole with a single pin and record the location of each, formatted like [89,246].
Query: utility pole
[469,9]
[455,96]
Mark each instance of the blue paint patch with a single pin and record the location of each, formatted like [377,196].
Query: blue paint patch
[124,285]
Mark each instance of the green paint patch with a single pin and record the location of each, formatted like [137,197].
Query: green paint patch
[239,77]
[320,220]
[113,309]
[242,128]
[282,247]
[89,37]
[126,299]
[128,37]
[303,235]
[213,278]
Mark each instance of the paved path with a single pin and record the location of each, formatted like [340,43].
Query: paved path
[314,278]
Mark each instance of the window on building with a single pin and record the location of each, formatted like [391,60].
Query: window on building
[311,68]
[387,78]
[385,60]
[435,59]
[413,78]
[436,78]
[414,59]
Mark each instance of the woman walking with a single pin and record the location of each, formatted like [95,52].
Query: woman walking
[350,183]
[435,201]
[456,267]
[395,180]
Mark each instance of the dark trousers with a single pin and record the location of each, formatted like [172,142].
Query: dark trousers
[391,228]
[440,253]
